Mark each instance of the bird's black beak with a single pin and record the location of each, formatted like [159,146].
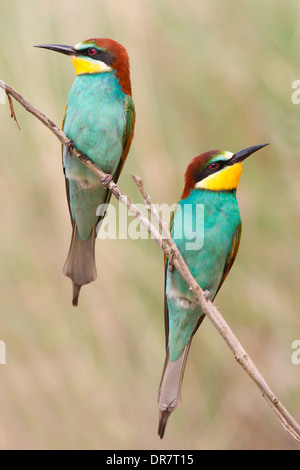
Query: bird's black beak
[240,156]
[68,50]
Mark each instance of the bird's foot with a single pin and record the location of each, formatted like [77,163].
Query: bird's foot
[171,267]
[70,145]
[106,180]
[206,294]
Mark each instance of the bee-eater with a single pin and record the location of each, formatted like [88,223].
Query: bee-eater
[99,119]
[211,181]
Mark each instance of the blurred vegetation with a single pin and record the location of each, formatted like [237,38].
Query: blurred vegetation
[205,75]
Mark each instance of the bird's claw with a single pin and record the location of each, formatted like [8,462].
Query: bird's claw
[70,145]
[171,267]
[206,294]
[106,180]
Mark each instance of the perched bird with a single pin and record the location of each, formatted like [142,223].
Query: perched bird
[99,119]
[211,180]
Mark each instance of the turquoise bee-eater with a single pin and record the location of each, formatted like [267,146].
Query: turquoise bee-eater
[211,181]
[99,119]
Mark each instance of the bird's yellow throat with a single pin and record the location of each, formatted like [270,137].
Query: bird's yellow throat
[85,65]
[225,180]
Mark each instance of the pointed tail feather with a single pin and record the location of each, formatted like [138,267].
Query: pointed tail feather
[76,292]
[163,419]
[80,264]
[169,393]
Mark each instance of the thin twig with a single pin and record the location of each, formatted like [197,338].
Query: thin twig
[169,248]
[12,111]
[150,208]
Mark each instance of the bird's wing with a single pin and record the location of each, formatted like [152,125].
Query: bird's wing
[127,139]
[66,179]
[232,255]
[166,310]
[128,134]
[167,264]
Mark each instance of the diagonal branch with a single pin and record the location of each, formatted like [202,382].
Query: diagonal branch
[169,248]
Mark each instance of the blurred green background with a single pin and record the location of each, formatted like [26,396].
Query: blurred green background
[205,75]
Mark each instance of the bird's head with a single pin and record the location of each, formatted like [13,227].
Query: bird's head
[217,170]
[94,56]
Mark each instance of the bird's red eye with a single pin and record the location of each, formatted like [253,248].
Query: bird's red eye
[92,51]
[213,165]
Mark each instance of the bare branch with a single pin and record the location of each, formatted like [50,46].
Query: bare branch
[169,248]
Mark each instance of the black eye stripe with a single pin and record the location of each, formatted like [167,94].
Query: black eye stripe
[209,171]
[99,54]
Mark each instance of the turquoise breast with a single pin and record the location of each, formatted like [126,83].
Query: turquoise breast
[95,120]
[221,218]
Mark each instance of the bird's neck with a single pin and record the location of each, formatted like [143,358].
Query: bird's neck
[107,76]
[105,83]
[210,198]
[204,193]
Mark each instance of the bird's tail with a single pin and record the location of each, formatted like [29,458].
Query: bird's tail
[80,264]
[169,393]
